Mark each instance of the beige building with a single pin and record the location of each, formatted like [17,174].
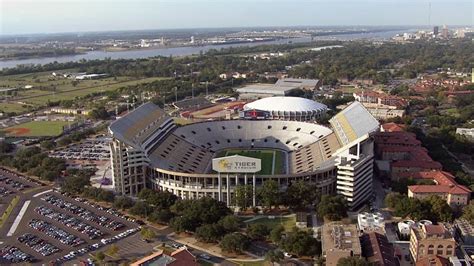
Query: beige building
[383,113]
[428,240]
[340,241]
[445,187]
[70,111]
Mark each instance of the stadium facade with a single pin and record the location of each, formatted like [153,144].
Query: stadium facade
[150,150]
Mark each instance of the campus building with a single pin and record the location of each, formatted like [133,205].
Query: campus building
[340,241]
[431,240]
[354,128]
[180,257]
[444,187]
[283,87]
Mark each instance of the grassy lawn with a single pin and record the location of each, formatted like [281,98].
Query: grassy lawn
[288,222]
[48,88]
[9,210]
[264,154]
[37,129]
[96,86]
[452,112]
[13,107]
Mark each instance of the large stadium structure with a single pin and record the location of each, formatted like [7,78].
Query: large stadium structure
[286,108]
[150,150]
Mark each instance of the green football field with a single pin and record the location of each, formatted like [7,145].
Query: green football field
[272,160]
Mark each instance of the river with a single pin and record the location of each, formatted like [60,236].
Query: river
[190,50]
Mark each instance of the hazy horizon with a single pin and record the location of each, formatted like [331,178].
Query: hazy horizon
[19,17]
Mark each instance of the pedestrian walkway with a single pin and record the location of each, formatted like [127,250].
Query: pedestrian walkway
[18,218]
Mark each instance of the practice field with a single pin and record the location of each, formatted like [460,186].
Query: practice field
[37,129]
[272,160]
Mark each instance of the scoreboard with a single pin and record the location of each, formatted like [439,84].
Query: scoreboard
[254,114]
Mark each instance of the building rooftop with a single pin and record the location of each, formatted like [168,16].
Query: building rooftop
[417,164]
[270,89]
[465,227]
[180,257]
[300,83]
[286,104]
[136,126]
[399,138]
[445,183]
[340,241]
[439,189]
[433,260]
[353,122]
[393,127]
[378,250]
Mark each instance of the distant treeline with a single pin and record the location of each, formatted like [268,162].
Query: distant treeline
[31,53]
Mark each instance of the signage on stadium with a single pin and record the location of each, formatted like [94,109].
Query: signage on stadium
[255,114]
[236,164]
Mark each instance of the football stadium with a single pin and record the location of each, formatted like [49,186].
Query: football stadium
[212,158]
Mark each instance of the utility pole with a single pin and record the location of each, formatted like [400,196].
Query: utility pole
[207,90]
[192,90]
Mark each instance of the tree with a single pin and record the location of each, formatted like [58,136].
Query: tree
[123,202]
[75,184]
[147,233]
[276,233]
[230,223]
[258,231]
[269,193]
[99,256]
[468,212]
[352,261]
[160,199]
[392,199]
[183,224]
[332,207]
[243,196]
[106,195]
[160,216]
[191,214]
[47,144]
[301,194]
[209,233]
[113,250]
[140,208]
[440,209]
[99,113]
[274,255]
[301,243]
[234,242]
[6,147]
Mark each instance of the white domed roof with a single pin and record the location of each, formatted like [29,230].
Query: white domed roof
[285,104]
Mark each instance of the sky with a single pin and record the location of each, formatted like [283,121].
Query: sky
[53,16]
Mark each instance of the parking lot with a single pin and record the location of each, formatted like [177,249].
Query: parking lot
[96,149]
[13,185]
[59,228]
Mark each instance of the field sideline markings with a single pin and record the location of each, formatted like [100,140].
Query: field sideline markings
[18,218]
